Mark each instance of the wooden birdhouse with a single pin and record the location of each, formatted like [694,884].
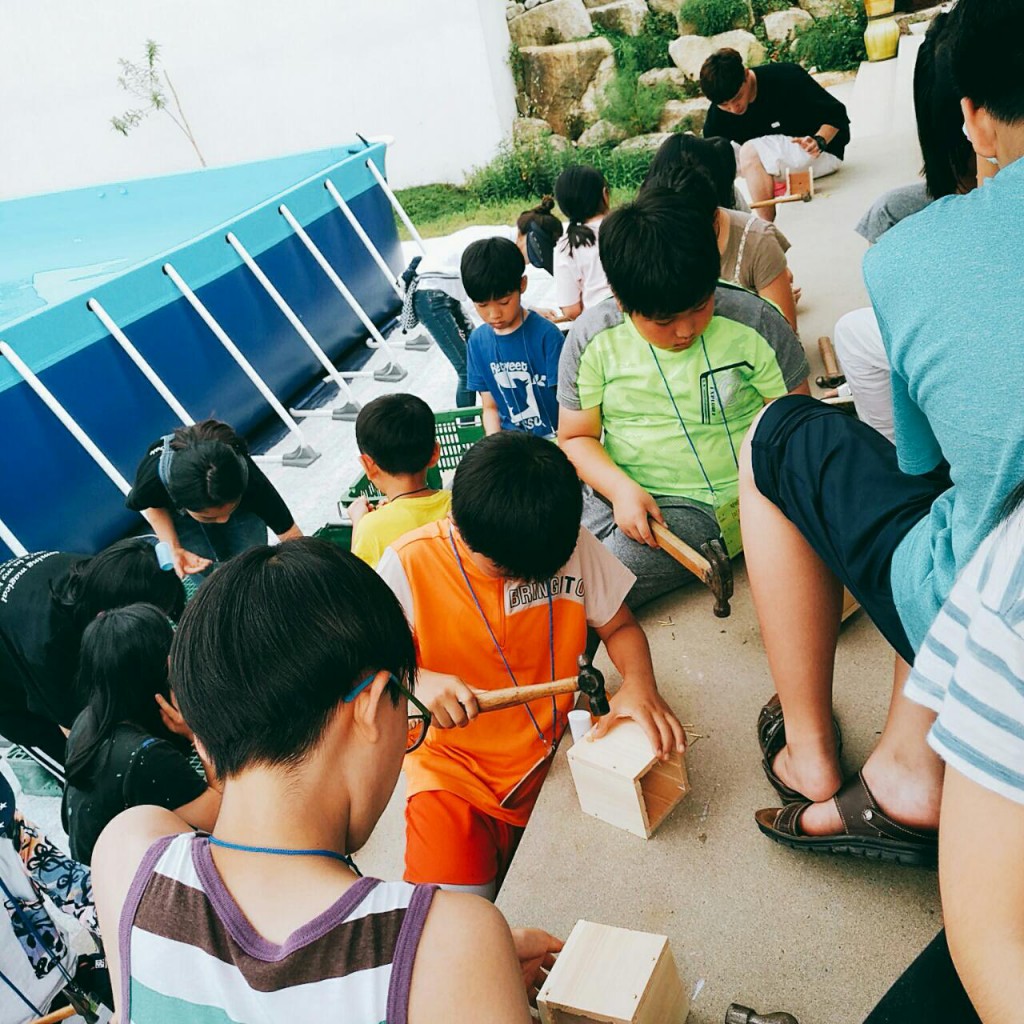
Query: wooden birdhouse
[613,976]
[799,183]
[619,779]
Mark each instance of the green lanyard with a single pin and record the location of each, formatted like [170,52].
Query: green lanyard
[727,511]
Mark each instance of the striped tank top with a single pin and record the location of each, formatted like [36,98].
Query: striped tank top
[188,953]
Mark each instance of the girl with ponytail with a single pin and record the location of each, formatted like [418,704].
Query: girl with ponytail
[580,282]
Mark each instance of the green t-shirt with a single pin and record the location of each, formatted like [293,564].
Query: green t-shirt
[606,363]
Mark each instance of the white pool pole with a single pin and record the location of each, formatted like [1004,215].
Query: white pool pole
[305,454]
[399,209]
[351,407]
[137,358]
[65,417]
[17,548]
[378,258]
[378,339]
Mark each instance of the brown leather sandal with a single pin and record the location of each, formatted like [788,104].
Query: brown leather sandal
[771,738]
[867,830]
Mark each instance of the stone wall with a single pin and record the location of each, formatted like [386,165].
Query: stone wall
[562,67]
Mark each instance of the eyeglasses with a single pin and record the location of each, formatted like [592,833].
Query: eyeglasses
[419,719]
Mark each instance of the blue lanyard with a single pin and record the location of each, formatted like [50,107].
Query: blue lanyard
[508,378]
[721,406]
[278,851]
[501,653]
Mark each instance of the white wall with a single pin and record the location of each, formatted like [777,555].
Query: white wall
[256,78]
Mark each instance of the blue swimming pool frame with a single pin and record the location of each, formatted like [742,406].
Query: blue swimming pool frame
[53,494]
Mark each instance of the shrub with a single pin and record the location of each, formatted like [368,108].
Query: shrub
[649,49]
[763,7]
[528,171]
[632,106]
[833,43]
[713,16]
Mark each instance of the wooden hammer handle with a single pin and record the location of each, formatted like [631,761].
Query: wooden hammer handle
[51,1018]
[800,197]
[828,356]
[681,551]
[495,700]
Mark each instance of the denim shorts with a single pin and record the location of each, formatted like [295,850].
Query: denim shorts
[838,481]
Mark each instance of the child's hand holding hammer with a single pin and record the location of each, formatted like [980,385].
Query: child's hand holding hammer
[451,701]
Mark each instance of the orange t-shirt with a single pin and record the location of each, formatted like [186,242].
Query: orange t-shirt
[484,761]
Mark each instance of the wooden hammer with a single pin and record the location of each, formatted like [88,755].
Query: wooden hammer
[800,197]
[833,376]
[711,565]
[589,681]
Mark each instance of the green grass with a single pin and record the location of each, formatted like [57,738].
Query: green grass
[438,210]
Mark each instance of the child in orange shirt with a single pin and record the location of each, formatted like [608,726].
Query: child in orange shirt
[502,594]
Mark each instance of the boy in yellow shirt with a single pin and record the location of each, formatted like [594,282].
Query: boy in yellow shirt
[397,445]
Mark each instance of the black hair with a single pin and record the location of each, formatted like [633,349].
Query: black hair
[209,466]
[491,269]
[722,75]
[541,229]
[689,180]
[122,665]
[273,643]
[124,573]
[397,432]
[950,164]
[516,500]
[988,55]
[580,194]
[714,156]
[660,254]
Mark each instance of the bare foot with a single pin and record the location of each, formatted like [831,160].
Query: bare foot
[817,776]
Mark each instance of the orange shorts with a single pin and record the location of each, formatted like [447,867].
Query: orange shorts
[449,842]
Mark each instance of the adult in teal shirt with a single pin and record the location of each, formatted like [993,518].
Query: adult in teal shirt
[824,502]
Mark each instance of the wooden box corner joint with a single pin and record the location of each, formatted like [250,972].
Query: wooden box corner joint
[619,779]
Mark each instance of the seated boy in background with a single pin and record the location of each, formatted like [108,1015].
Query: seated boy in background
[502,595]
[512,357]
[295,667]
[397,446]
[659,385]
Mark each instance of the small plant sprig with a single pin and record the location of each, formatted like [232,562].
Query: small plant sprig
[146,81]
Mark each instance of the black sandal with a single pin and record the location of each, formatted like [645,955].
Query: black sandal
[771,737]
[867,830]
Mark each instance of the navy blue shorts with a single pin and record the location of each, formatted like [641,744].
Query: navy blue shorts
[838,481]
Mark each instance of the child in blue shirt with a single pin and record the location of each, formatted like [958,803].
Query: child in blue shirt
[513,355]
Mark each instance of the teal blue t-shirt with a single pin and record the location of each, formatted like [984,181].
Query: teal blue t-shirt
[948,289]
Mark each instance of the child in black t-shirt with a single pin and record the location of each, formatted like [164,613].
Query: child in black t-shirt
[122,751]
[205,497]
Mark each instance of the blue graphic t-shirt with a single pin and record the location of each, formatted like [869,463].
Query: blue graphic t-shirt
[520,371]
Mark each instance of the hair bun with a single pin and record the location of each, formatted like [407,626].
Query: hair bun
[547,204]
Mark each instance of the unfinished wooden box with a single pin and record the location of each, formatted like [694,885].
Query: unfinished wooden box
[799,183]
[619,780]
[613,976]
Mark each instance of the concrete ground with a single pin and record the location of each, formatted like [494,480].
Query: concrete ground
[749,921]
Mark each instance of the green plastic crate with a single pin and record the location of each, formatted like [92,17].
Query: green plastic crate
[457,431]
[337,533]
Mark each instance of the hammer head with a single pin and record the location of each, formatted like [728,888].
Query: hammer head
[591,682]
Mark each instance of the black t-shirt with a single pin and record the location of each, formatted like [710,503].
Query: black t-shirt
[260,498]
[129,769]
[788,102]
[39,643]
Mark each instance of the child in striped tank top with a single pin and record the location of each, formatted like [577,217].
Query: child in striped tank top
[294,667]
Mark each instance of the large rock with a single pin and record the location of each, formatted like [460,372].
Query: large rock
[626,16]
[643,143]
[744,19]
[781,26]
[602,133]
[557,21]
[671,77]
[592,99]
[818,8]
[558,78]
[688,53]
[664,6]
[688,115]
[513,10]
[532,131]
